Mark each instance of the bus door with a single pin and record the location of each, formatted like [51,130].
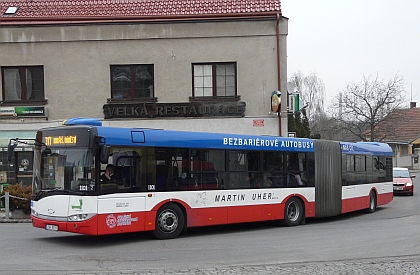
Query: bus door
[121,206]
[379,169]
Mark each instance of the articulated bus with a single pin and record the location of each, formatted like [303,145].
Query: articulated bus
[167,181]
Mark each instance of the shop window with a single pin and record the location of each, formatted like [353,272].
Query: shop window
[24,167]
[7,169]
[130,82]
[23,85]
[214,80]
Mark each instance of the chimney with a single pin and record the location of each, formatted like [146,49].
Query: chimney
[412,105]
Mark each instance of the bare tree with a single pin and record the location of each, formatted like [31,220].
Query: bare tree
[326,127]
[311,91]
[360,107]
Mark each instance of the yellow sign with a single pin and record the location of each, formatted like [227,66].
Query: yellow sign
[275,101]
[60,140]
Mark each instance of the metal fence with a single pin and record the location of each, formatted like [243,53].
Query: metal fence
[7,197]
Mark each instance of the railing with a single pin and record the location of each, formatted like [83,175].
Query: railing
[7,197]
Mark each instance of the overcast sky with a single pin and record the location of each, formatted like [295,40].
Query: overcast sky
[340,41]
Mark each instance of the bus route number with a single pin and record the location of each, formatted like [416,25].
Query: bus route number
[83,188]
[58,140]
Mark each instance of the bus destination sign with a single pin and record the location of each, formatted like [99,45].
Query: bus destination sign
[60,140]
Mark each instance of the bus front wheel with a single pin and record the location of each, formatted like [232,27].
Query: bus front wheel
[169,222]
[293,212]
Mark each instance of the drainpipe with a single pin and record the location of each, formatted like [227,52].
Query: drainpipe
[279,70]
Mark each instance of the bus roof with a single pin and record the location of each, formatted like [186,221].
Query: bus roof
[182,139]
[366,148]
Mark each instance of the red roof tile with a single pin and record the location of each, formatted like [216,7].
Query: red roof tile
[56,10]
[400,126]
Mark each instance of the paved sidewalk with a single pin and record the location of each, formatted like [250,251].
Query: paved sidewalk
[11,219]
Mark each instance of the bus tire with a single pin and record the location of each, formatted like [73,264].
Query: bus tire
[293,212]
[372,202]
[169,222]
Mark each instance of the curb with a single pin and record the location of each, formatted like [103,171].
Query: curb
[16,219]
[4,220]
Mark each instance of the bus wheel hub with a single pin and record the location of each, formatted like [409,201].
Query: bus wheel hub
[168,221]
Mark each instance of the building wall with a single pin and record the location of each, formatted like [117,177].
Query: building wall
[403,161]
[77,61]
[406,156]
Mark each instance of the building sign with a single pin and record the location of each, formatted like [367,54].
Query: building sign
[7,111]
[258,122]
[23,111]
[188,109]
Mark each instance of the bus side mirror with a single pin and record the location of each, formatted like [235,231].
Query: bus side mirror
[10,149]
[104,153]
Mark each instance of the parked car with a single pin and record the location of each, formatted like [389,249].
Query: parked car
[403,181]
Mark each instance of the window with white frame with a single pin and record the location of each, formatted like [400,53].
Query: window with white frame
[214,80]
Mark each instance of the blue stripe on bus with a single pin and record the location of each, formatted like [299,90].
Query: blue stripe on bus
[366,148]
[181,139]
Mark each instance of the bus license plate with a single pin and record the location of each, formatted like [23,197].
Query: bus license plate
[51,227]
[398,188]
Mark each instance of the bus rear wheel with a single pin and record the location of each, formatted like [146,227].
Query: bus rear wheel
[169,222]
[293,212]
[372,202]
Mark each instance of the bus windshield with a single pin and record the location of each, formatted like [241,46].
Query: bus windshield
[64,169]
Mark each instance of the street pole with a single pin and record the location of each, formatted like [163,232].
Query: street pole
[6,200]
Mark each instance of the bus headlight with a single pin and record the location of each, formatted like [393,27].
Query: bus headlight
[34,213]
[79,217]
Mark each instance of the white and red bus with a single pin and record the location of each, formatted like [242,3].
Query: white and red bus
[166,181]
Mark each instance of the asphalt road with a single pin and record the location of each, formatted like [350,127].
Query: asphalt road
[385,242]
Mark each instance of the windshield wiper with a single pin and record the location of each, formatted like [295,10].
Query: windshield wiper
[43,192]
[49,189]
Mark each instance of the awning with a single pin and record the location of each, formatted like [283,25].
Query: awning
[5,136]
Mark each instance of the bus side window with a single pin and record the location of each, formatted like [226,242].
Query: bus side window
[161,176]
[127,169]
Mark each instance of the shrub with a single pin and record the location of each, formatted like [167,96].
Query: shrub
[21,191]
